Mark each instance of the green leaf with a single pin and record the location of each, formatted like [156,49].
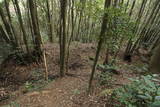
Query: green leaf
[148,82]
[143,97]
[157,98]
[155,104]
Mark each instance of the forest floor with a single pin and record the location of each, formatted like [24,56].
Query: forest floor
[69,91]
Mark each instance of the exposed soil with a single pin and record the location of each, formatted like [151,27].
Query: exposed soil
[69,91]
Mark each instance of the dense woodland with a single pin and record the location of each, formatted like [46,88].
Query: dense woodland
[79,53]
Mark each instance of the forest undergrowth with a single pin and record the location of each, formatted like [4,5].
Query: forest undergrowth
[28,82]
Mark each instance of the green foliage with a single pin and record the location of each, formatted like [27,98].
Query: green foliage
[120,28]
[36,85]
[142,92]
[76,91]
[140,68]
[93,9]
[105,78]
[12,104]
[29,86]
[105,67]
[107,92]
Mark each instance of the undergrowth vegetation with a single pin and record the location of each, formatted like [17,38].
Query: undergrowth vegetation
[141,92]
[120,39]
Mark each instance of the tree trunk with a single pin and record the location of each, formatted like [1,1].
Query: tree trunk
[63,37]
[50,32]
[155,63]
[21,25]
[36,31]
[100,43]
[8,28]
[11,23]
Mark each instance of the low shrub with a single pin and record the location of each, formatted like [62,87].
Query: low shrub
[142,92]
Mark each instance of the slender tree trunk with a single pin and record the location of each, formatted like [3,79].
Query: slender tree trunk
[49,18]
[106,61]
[127,6]
[22,25]
[63,37]
[131,11]
[4,35]
[71,36]
[11,23]
[100,43]
[8,29]
[30,23]
[155,63]
[36,31]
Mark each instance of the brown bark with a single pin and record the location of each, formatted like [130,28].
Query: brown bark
[155,60]
[63,37]
[100,43]
[36,31]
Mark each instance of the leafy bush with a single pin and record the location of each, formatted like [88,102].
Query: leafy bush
[29,86]
[142,92]
[105,78]
[106,67]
